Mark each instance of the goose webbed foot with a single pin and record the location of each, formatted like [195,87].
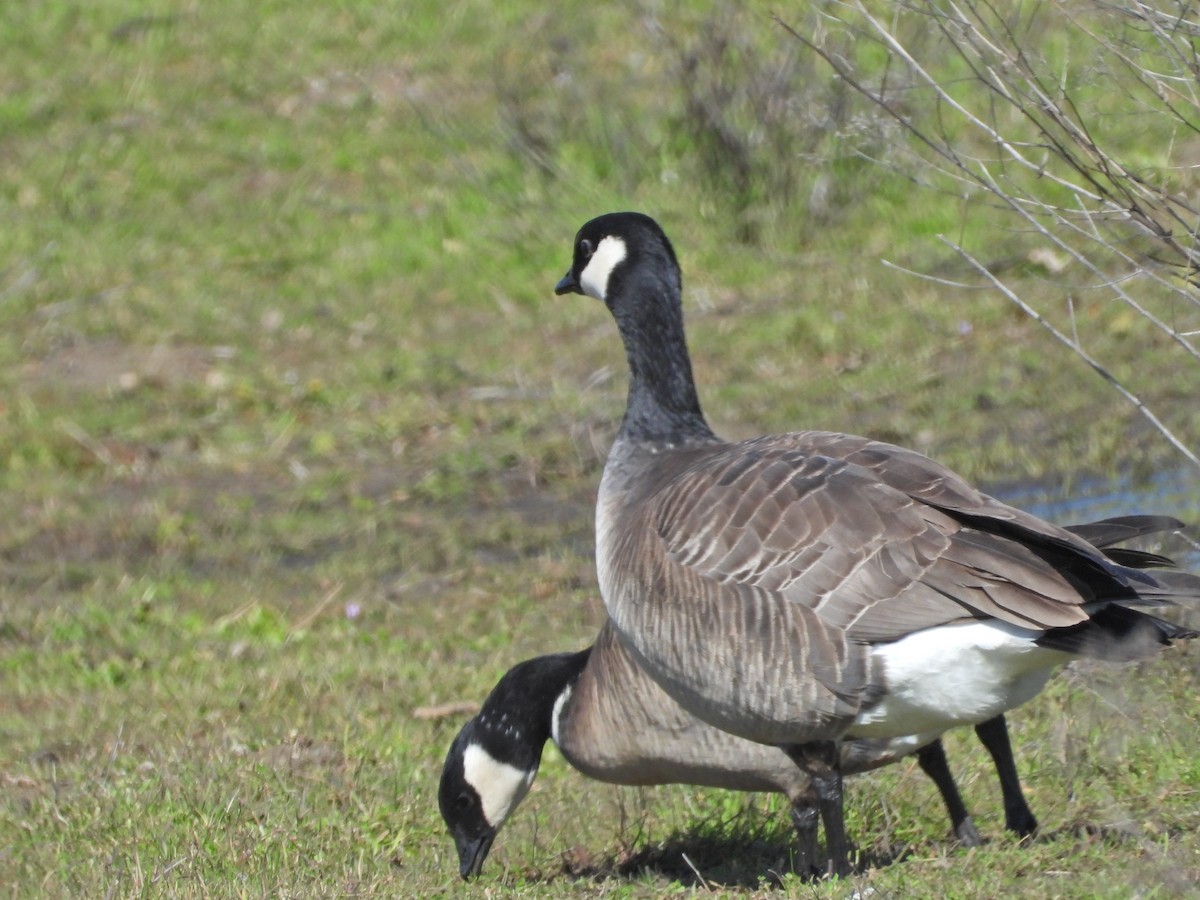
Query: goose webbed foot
[967,834]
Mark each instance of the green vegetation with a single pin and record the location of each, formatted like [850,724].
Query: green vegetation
[295,439]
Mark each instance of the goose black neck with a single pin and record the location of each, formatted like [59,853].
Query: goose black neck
[517,716]
[663,408]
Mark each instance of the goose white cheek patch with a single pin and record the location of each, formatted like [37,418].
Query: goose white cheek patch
[500,786]
[607,256]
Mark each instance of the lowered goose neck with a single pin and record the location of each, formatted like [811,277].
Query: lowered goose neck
[519,713]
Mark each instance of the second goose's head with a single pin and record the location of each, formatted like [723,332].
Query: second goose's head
[495,757]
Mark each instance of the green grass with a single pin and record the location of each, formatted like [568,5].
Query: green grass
[295,440]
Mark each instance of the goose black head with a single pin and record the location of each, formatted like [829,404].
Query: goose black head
[479,791]
[610,247]
[625,260]
[494,758]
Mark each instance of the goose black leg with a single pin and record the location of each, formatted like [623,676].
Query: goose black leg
[932,758]
[821,761]
[805,816]
[1018,816]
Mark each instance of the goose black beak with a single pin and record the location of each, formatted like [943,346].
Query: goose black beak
[568,285]
[472,853]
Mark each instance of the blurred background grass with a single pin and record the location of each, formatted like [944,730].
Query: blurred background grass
[295,438]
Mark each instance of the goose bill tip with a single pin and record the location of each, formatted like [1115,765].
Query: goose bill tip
[471,855]
[567,285]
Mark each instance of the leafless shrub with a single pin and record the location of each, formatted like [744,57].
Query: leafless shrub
[1080,120]
[551,91]
[765,127]
[721,101]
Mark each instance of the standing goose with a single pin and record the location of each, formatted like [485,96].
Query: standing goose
[804,589]
[613,723]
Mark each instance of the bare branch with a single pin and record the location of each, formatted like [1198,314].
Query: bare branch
[1078,350]
[1038,131]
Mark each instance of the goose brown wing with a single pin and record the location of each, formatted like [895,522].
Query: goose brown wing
[1071,552]
[839,538]
[929,482]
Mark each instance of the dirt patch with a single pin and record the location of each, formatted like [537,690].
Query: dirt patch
[110,366]
[301,754]
[21,792]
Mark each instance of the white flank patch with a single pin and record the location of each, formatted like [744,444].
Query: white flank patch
[956,675]
[607,501]
[603,537]
[557,714]
[594,277]
[501,787]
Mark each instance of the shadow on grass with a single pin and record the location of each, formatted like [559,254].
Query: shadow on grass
[705,861]
[759,858]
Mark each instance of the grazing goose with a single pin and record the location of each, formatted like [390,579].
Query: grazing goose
[804,589]
[614,723]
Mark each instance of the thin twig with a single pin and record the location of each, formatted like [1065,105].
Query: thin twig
[1078,350]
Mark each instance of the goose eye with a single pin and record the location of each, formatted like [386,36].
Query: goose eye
[462,802]
[585,248]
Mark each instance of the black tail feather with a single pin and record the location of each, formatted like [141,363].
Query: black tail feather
[1117,634]
[1138,559]
[1118,529]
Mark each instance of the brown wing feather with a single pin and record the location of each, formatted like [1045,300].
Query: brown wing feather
[864,554]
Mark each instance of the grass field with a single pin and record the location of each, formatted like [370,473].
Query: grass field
[296,443]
